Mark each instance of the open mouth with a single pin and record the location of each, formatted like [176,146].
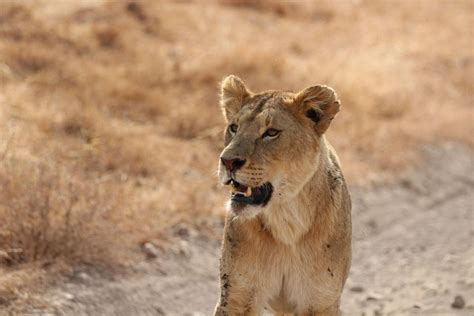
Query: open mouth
[255,196]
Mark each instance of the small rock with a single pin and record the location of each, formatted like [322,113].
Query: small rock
[182,248]
[372,224]
[67,296]
[151,250]
[357,289]
[182,231]
[3,300]
[83,276]
[458,302]
[4,257]
[159,311]
[374,297]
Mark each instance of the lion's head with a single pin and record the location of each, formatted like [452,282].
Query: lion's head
[272,141]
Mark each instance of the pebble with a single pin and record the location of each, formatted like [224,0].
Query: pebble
[182,231]
[3,300]
[83,276]
[181,248]
[159,311]
[357,289]
[151,250]
[458,302]
[374,297]
[4,257]
[68,296]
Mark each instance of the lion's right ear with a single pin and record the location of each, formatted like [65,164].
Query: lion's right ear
[320,104]
[233,94]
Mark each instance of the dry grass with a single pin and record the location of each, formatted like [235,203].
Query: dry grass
[49,214]
[109,99]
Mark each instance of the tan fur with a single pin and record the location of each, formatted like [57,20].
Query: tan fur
[291,256]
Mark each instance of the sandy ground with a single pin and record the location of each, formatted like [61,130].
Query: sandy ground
[413,253]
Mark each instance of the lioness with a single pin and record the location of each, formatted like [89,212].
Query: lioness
[287,237]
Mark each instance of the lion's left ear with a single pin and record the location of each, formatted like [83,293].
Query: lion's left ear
[233,94]
[320,104]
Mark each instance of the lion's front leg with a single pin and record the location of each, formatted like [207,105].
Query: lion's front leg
[236,300]
[239,295]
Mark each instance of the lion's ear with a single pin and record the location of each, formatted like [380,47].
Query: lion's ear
[233,93]
[320,104]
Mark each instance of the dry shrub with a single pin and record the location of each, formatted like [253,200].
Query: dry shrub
[136,10]
[48,214]
[108,37]
[321,11]
[263,68]
[280,8]
[25,61]
[13,12]
[132,102]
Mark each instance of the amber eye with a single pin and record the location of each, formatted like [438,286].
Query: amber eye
[271,133]
[233,128]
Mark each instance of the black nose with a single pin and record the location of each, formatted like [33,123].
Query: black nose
[233,164]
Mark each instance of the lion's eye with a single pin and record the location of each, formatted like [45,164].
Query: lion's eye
[271,133]
[233,128]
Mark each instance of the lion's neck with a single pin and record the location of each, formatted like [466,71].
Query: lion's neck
[309,210]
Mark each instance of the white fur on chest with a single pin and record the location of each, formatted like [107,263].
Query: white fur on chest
[299,277]
[286,222]
[298,282]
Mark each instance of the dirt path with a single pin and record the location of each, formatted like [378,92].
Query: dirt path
[413,253]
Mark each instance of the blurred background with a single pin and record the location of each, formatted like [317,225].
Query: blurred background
[110,132]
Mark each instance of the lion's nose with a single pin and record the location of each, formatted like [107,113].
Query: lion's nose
[233,164]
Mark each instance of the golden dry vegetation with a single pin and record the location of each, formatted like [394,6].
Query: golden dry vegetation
[109,123]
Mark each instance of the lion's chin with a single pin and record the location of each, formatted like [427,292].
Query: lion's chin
[243,210]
